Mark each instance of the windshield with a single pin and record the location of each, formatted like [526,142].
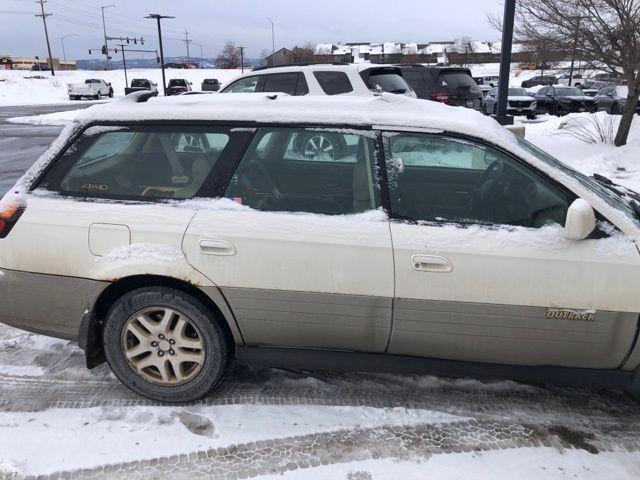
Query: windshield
[457,81]
[518,92]
[568,92]
[389,82]
[615,200]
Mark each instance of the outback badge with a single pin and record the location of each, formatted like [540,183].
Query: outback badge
[570,314]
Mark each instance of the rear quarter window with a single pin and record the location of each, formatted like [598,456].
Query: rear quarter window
[145,163]
[333,83]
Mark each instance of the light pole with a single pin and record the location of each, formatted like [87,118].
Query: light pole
[505,62]
[242,58]
[273,41]
[159,17]
[64,53]
[104,30]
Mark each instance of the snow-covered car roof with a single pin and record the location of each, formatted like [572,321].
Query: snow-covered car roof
[383,110]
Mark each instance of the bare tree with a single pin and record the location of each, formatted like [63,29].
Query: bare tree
[229,56]
[609,33]
[305,53]
[461,50]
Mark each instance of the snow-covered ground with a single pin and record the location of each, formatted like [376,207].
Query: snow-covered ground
[18,87]
[56,416]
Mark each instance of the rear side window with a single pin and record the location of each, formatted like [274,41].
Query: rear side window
[148,163]
[333,83]
[307,170]
[281,82]
[457,81]
[388,82]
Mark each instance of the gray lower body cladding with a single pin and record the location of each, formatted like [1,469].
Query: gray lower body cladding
[311,320]
[48,304]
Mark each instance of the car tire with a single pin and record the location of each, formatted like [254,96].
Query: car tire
[98,96]
[616,109]
[531,116]
[162,327]
[111,93]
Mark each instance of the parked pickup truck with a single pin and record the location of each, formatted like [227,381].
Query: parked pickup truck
[140,84]
[177,86]
[91,88]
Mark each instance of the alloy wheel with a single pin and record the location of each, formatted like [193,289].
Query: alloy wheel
[163,346]
[319,147]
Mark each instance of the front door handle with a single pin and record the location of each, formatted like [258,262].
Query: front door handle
[217,247]
[431,263]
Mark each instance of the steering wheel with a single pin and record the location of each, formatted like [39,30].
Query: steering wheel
[487,189]
[258,182]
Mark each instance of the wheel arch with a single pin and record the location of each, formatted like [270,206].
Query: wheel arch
[90,334]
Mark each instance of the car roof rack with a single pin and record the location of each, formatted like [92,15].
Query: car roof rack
[303,64]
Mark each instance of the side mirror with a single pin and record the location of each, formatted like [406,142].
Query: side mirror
[581,220]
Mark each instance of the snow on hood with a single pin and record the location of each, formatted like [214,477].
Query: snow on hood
[386,109]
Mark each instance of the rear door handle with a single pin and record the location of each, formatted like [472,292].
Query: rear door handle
[431,263]
[217,247]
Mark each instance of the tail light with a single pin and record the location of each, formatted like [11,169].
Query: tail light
[443,97]
[10,212]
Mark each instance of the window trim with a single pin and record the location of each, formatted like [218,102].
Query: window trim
[471,139]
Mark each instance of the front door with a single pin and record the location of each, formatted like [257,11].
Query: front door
[483,271]
[297,245]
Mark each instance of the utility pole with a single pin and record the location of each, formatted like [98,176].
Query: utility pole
[64,53]
[187,41]
[46,33]
[505,62]
[104,30]
[159,17]
[242,58]
[273,39]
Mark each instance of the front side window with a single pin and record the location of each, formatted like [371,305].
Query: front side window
[244,85]
[333,83]
[147,163]
[437,178]
[306,170]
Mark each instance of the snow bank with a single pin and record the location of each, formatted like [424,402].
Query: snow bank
[618,163]
[19,87]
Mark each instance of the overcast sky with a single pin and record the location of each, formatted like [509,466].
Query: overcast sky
[212,22]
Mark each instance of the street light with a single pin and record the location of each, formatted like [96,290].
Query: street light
[273,42]
[104,30]
[64,54]
[159,17]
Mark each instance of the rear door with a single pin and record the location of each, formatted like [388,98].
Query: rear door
[297,244]
[483,272]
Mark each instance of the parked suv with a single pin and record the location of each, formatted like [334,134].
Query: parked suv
[435,241]
[210,85]
[613,99]
[450,85]
[177,86]
[322,79]
[560,100]
[540,80]
[519,102]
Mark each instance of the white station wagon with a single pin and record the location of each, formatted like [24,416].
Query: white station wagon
[175,235]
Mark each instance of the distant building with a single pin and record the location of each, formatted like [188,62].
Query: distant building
[438,52]
[284,56]
[9,62]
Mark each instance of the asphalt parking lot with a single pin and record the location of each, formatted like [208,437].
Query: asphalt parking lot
[20,145]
